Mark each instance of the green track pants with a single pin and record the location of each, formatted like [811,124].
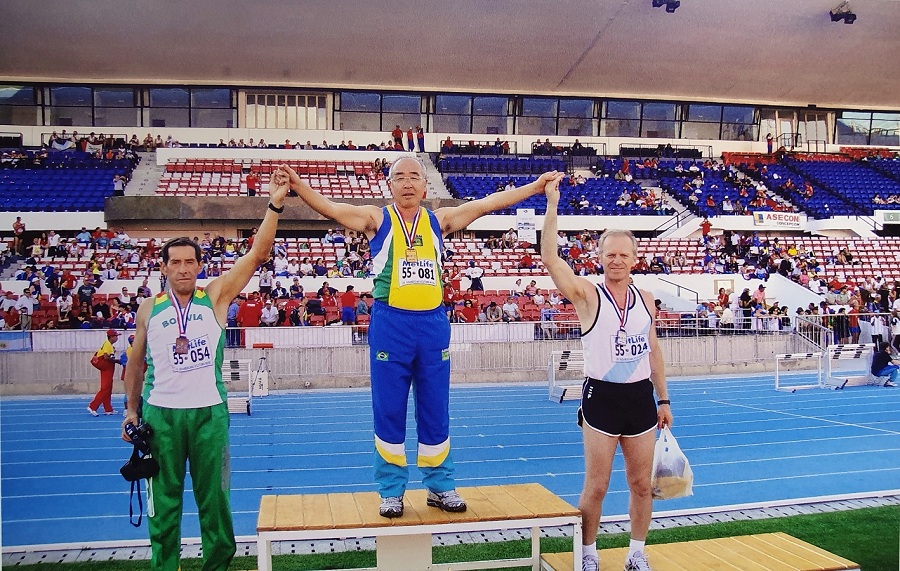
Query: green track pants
[197,437]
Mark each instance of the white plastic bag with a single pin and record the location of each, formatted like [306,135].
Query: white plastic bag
[672,475]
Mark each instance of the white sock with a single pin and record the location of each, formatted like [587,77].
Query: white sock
[589,550]
[635,546]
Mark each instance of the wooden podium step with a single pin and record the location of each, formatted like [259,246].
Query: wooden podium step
[405,543]
[762,552]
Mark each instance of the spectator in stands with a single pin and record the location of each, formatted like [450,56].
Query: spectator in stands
[883,365]
[319,268]
[25,306]
[279,292]
[86,291]
[759,296]
[474,273]
[511,310]
[280,264]
[527,262]
[511,238]
[493,313]
[362,307]
[8,302]
[63,309]
[250,312]
[232,334]
[348,306]
[420,138]
[268,317]
[252,182]
[467,313]
[397,134]
[83,237]
[296,290]
[306,268]
[265,281]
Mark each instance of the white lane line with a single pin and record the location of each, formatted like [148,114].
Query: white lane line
[808,417]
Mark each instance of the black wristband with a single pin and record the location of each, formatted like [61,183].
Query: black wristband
[661,402]
[273,208]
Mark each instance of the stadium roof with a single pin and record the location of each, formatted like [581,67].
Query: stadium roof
[755,51]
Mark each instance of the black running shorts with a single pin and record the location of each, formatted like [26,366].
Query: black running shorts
[618,409]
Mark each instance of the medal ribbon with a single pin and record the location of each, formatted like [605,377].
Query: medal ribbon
[181,315]
[409,235]
[623,315]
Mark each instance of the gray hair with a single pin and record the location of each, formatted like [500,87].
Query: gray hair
[393,167]
[624,233]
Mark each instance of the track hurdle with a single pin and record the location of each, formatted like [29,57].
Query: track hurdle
[848,365]
[786,383]
[565,364]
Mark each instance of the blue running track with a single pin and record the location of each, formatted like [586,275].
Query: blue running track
[747,443]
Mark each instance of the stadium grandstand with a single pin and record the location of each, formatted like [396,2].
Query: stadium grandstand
[752,147]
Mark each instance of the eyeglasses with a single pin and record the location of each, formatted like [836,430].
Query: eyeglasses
[405,179]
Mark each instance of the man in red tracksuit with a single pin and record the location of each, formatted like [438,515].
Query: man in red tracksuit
[104,395]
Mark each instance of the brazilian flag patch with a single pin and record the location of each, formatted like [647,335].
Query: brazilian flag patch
[445,355]
[381,356]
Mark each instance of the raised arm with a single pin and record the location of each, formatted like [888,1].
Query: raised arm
[366,218]
[578,290]
[227,286]
[458,217]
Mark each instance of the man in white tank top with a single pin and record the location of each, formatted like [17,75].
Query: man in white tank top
[623,368]
[180,334]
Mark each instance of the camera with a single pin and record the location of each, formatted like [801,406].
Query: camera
[140,436]
[141,465]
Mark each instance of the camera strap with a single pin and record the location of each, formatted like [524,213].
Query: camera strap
[135,484]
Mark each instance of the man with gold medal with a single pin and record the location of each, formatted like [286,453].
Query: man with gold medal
[409,332]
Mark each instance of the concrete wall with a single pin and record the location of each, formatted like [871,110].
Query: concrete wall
[70,372]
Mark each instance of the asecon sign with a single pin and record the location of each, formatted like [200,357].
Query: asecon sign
[778,219]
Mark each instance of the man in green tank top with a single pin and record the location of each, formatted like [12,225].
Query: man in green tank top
[181,334]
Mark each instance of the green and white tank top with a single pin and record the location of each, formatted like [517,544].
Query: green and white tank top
[184,380]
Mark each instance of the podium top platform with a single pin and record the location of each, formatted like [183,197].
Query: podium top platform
[359,510]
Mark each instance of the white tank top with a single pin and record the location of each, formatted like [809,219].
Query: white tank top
[613,356]
[192,379]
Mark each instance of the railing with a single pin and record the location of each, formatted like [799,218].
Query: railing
[11,140]
[678,289]
[566,148]
[480,148]
[646,151]
[673,222]
[680,324]
[790,140]
[816,146]
[823,331]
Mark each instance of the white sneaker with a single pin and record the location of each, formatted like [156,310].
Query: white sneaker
[637,562]
[449,501]
[590,563]
[92,411]
[391,507]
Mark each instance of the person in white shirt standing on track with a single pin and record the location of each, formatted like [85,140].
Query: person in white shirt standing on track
[623,366]
[181,334]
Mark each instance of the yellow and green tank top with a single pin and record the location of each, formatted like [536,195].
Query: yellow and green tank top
[404,279]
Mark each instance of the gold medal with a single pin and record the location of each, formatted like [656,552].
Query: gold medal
[411,256]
